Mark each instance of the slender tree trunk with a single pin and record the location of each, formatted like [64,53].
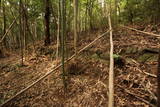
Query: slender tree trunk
[0,11]
[86,16]
[1,53]
[35,29]
[90,13]
[24,28]
[4,23]
[75,24]
[79,17]
[21,31]
[115,13]
[58,32]
[17,40]
[63,40]
[28,27]
[47,40]
[158,80]
[111,68]
[0,4]
[105,9]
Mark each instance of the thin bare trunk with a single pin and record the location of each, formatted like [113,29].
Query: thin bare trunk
[111,68]
[24,29]
[86,16]
[47,23]
[63,41]
[115,13]
[35,29]
[28,27]
[21,31]
[58,32]
[4,23]
[158,80]
[75,24]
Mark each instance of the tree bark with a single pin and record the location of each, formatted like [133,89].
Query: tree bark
[111,68]
[47,40]
[75,24]
[158,80]
[63,40]
[86,16]
[115,13]
[21,30]
[90,13]
[58,31]
[28,27]
[24,27]
[4,23]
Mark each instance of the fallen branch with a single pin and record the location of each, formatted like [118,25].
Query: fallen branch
[147,73]
[156,35]
[149,91]
[136,96]
[51,71]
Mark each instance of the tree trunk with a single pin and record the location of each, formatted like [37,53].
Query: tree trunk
[90,13]
[4,24]
[111,67]
[86,16]
[47,40]
[24,27]
[21,30]
[115,13]
[158,11]
[58,31]
[35,29]
[28,27]
[75,24]
[158,80]
[63,40]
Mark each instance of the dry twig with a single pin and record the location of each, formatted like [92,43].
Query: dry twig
[136,96]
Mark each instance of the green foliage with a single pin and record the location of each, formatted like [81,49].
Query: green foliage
[115,56]
[139,10]
[91,14]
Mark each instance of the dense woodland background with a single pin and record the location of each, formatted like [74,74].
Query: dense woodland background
[37,37]
[91,15]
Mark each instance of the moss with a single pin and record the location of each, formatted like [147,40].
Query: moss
[153,58]
[2,101]
[131,50]
[147,57]
[95,56]
[105,56]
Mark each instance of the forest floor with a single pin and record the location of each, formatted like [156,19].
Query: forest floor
[135,74]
